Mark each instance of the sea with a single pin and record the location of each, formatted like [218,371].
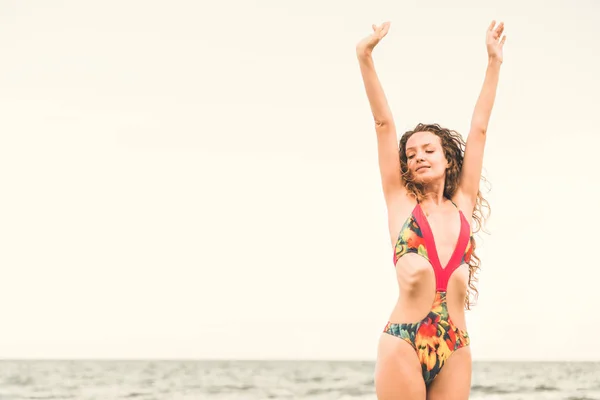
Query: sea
[261,380]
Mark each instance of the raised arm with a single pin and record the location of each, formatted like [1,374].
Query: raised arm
[387,142]
[473,160]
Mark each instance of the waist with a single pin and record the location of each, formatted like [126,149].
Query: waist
[411,309]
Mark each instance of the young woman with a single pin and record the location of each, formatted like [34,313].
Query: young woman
[431,188]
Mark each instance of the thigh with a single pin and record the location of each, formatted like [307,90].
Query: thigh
[454,380]
[398,371]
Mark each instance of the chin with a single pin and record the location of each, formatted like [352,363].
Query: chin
[427,178]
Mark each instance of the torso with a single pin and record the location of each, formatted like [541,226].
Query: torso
[415,273]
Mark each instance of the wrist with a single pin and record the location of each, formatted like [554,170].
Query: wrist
[494,61]
[364,54]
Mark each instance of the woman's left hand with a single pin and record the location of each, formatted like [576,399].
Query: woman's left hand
[495,41]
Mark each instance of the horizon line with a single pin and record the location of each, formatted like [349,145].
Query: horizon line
[233,359]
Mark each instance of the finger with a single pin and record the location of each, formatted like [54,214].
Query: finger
[500,29]
[502,41]
[491,27]
[374,27]
[385,28]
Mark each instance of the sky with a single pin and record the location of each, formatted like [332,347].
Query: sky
[199,180]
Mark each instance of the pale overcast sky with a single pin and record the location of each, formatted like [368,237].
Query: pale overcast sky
[194,179]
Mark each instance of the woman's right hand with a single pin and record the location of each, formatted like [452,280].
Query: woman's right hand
[365,47]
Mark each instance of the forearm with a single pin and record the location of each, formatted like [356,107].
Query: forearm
[377,100]
[485,102]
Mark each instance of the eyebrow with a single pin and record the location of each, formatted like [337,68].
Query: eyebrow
[412,147]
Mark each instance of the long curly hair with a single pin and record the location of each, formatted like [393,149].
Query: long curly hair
[453,146]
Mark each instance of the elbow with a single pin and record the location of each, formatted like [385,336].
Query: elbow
[382,122]
[478,130]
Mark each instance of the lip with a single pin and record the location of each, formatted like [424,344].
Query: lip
[423,166]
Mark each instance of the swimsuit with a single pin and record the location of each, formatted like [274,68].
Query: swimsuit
[435,337]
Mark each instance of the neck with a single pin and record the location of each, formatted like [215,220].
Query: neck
[433,195]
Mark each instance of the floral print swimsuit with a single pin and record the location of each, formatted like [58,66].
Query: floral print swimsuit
[435,337]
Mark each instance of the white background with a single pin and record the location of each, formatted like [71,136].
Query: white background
[193,179]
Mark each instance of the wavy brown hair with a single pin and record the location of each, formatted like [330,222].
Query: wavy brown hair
[453,146]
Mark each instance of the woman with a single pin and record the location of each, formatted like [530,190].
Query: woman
[431,188]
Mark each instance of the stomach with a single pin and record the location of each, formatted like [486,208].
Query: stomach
[418,296]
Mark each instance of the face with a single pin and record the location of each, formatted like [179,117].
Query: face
[425,157]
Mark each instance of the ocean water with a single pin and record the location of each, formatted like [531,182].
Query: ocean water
[261,380]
